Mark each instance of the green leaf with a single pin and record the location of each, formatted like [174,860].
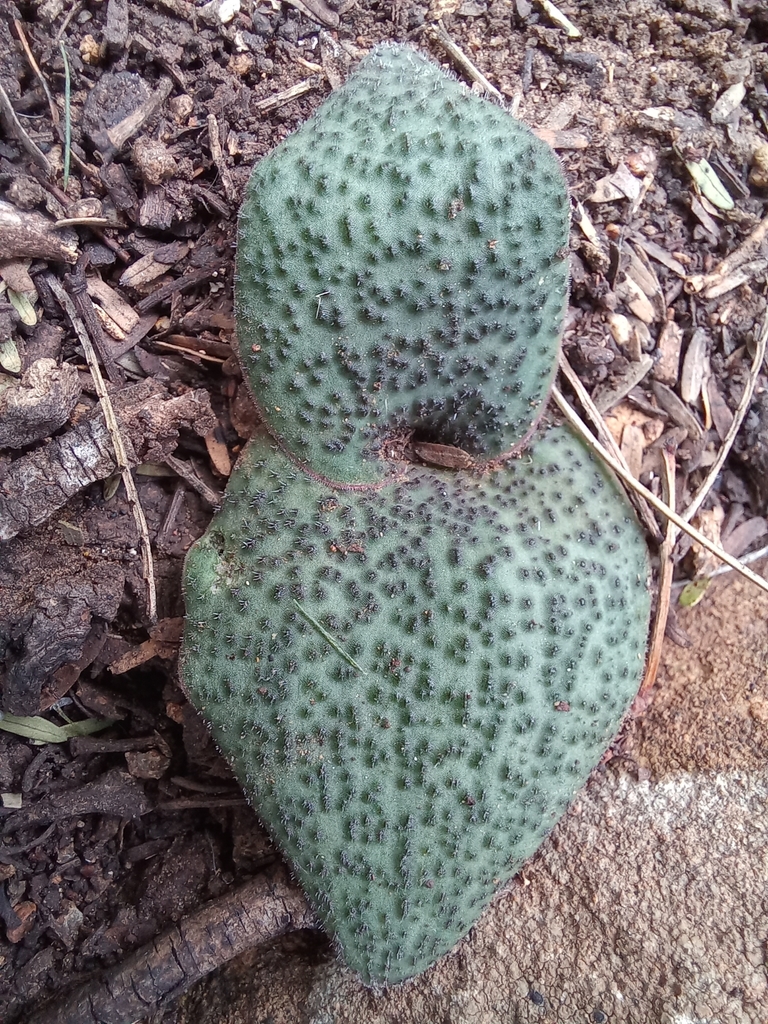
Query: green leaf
[709,184]
[40,730]
[693,592]
[10,359]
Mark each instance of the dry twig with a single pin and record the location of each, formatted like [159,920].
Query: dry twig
[218,158]
[14,127]
[28,233]
[77,286]
[260,911]
[741,255]
[190,477]
[738,418]
[666,571]
[38,73]
[606,437]
[278,99]
[440,36]
[120,454]
[650,497]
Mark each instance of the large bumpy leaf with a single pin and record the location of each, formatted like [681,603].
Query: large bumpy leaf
[412,683]
[401,262]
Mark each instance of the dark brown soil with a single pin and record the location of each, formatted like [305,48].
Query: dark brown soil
[108,838]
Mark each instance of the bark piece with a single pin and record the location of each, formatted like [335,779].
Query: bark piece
[39,405]
[120,187]
[670,345]
[695,366]
[114,97]
[116,28]
[32,234]
[258,912]
[38,484]
[677,410]
[53,632]
[116,792]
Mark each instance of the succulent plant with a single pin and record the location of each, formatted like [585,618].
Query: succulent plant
[411,686]
[401,261]
[410,669]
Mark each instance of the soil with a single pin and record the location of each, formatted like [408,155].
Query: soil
[111,837]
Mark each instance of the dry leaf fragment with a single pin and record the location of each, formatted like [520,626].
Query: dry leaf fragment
[705,218]
[739,540]
[678,410]
[621,184]
[582,218]
[605,192]
[728,103]
[625,180]
[117,317]
[219,454]
[758,176]
[660,255]
[709,184]
[709,522]
[606,397]
[557,16]
[695,366]
[722,417]
[630,334]
[643,274]
[10,360]
[23,306]
[633,448]
[620,328]
[670,346]
[630,292]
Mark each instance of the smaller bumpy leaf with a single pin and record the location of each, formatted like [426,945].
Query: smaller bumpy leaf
[411,684]
[401,263]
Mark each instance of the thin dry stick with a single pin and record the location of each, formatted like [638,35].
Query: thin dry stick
[189,351]
[14,127]
[188,474]
[606,437]
[650,497]
[666,571]
[739,256]
[266,106]
[738,419]
[753,556]
[71,13]
[153,976]
[55,116]
[218,158]
[441,36]
[557,16]
[77,287]
[121,457]
[36,68]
